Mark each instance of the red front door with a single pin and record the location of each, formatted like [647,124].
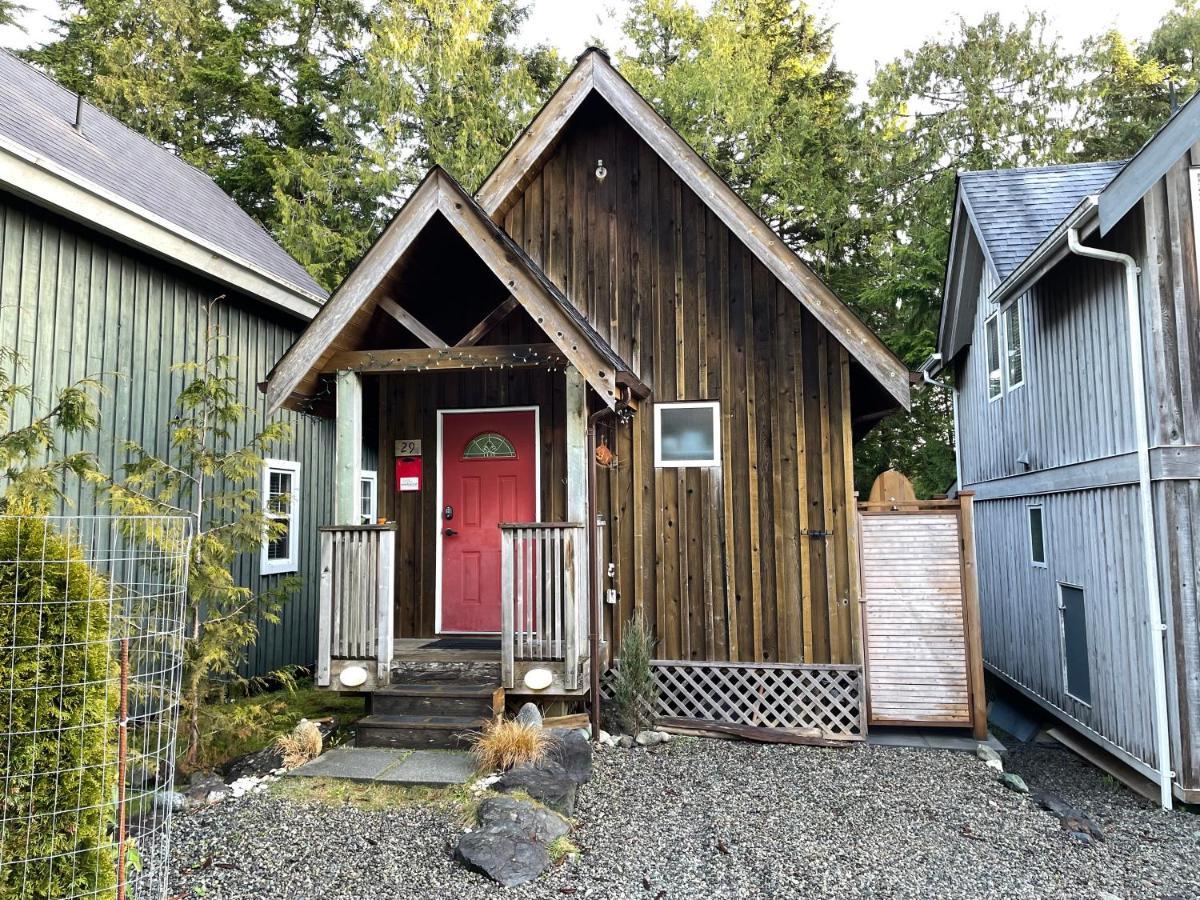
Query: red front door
[489,475]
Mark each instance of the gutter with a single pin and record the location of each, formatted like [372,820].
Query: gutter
[1137,377]
[1083,219]
[34,177]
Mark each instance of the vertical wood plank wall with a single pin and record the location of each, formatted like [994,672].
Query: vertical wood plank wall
[76,304]
[713,558]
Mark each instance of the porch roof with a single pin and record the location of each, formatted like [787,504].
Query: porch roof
[333,339]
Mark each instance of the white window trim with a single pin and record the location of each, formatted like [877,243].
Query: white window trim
[291,563]
[1062,640]
[1005,357]
[714,462]
[987,362]
[373,477]
[1029,529]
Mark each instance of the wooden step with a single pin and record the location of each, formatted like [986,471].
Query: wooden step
[415,732]
[417,698]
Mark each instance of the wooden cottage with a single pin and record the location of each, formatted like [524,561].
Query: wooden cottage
[1070,324]
[112,249]
[607,337]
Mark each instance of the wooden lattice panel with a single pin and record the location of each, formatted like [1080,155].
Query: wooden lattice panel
[766,695]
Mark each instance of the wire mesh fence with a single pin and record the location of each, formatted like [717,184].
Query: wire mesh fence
[91,655]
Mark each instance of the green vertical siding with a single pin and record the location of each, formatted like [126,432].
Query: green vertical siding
[76,304]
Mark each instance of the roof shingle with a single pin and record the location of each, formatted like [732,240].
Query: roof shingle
[38,114]
[1015,209]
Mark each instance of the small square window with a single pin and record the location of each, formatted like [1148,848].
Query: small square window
[687,434]
[1037,537]
[281,503]
[367,509]
[1077,675]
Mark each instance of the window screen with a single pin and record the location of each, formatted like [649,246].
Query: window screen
[1075,643]
[687,434]
[1037,540]
[280,487]
[992,339]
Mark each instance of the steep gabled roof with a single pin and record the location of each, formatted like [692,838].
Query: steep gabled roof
[595,74]
[1014,209]
[113,178]
[439,194]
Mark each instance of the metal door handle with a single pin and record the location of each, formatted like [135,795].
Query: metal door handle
[450,532]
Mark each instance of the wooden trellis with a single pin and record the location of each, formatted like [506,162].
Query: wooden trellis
[765,695]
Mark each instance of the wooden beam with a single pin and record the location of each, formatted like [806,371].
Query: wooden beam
[448,358]
[488,322]
[577,509]
[411,322]
[347,448]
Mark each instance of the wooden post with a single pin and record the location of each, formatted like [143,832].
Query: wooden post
[571,613]
[577,495]
[348,453]
[966,522]
[325,613]
[508,538]
[385,587]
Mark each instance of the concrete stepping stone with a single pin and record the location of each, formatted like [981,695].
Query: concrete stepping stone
[426,768]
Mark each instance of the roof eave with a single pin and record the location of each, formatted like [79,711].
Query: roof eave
[29,175]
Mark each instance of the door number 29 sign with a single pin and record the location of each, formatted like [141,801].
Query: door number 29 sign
[408,465]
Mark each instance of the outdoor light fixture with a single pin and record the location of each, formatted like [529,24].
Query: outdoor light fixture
[601,172]
[353,676]
[538,679]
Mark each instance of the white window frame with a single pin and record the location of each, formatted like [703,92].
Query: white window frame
[1013,310]
[988,371]
[714,461]
[364,476]
[1029,528]
[1062,640]
[290,563]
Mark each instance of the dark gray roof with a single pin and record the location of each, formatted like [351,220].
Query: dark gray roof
[1015,209]
[38,113]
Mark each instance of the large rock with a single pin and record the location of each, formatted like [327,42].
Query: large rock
[1014,782]
[205,789]
[1074,821]
[503,855]
[548,783]
[523,818]
[529,714]
[571,750]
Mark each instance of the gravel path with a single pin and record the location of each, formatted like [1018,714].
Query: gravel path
[713,819]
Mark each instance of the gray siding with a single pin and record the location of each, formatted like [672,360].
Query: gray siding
[1092,541]
[74,304]
[1074,404]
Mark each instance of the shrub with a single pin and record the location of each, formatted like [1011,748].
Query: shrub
[506,743]
[302,744]
[60,758]
[634,691]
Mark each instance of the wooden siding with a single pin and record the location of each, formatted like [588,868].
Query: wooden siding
[714,558]
[1092,541]
[1075,403]
[75,304]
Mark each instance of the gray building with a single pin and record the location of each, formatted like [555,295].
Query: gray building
[111,248]
[1071,324]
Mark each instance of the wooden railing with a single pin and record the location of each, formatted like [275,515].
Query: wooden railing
[543,599]
[357,587]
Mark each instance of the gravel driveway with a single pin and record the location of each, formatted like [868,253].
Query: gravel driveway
[713,819]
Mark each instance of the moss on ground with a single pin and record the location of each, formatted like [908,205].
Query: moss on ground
[374,795]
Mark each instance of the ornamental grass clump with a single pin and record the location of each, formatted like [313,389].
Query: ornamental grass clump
[634,690]
[300,745]
[58,761]
[506,743]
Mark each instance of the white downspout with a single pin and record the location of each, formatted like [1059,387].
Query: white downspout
[1149,541]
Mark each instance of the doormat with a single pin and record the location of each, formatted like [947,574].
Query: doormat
[463,644]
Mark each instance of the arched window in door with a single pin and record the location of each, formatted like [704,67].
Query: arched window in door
[490,445]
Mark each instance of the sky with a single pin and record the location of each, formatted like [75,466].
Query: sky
[866,32]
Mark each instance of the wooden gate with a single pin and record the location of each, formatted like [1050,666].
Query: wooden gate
[920,614]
